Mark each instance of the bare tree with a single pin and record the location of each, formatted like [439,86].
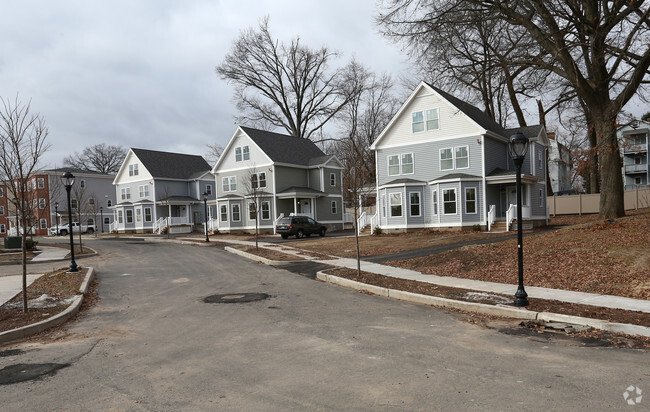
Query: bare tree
[101,158]
[253,185]
[284,85]
[214,153]
[22,136]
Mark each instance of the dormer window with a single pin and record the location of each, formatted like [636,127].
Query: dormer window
[428,119]
[133,170]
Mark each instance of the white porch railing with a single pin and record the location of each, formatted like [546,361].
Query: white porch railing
[275,222]
[361,222]
[213,224]
[511,214]
[160,225]
[180,220]
[374,223]
[491,217]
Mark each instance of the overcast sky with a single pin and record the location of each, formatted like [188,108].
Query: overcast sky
[140,73]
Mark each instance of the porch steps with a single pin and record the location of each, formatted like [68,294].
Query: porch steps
[499,226]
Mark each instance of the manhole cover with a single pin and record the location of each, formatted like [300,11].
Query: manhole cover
[235,298]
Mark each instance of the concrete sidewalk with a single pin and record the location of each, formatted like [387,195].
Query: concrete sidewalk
[10,286]
[592,299]
[50,253]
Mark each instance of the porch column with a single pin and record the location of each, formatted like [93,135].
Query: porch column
[295,205]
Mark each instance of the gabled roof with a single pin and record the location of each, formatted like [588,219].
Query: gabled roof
[167,165]
[282,148]
[473,113]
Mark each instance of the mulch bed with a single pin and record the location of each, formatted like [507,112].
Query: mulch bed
[267,253]
[536,305]
[58,284]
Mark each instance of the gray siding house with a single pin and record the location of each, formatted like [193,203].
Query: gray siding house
[283,174]
[443,163]
[159,191]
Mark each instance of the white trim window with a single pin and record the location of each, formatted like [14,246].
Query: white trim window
[144,191]
[2,210]
[41,203]
[401,164]
[470,200]
[541,198]
[435,202]
[229,183]
[266,210]
[41,183]
[107,221]
[126,193]
[3,228]
[332,179]
[334,207]
[223,213]
[129,216]
[74,203]
[138,215]
[395,204]
[252,214]
[43,223]
[2,191]
[428,119]
[235,212]
[208,189]
[120,218]
[414,204]
[449,201]
[133,169]
[258,180]
[147,215]
[242,153]
[454,158]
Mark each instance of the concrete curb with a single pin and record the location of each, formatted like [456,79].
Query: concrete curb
[261,259]
[502,311]
[25,331]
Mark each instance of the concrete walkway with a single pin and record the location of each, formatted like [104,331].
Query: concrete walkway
[592,299]
[49,254]
[10,286]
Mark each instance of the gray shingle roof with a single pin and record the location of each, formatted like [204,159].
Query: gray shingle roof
[172,165]
[404,181]
[282,148]
[528,131]
[451,176]
[473,113]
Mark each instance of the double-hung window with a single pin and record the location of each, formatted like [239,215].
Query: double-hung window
[332,179]
[41,203]
[454,158]
[395,204]
[258,180]
[129,216]
[229,184]
[144,191]
[223,212]
[41,183]
[400,164]
[252,211]
[43,223]
[449,201]
[3,228]
[470,200]
[147,214]
[425,120]
[414,202]
[126,193]
[246,153]
[120,219]
[242,153]
[138,215]
[133,170]
[2,210]
[266,210]
[208,189]
[333,207]
[237,154]
[236,214]
[435,202]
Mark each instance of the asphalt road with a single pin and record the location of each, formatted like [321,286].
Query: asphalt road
[151,343]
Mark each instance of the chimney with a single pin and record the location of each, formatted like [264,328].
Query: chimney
[551,135]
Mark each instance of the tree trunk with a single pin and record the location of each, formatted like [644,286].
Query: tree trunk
[24,255]
[611,186]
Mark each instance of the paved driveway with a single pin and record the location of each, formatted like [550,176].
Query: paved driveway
[151,343]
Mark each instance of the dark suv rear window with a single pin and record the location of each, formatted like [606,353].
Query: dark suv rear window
[284,221]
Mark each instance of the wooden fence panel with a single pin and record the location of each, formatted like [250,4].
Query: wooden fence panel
[586,204]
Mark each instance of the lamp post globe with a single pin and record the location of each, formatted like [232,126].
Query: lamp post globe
[205,204]
[68,180]
[517,148]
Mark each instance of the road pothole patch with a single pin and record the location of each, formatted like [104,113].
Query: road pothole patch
[235,298]
[23,372]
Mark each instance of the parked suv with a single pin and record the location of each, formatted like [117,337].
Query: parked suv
[299,226]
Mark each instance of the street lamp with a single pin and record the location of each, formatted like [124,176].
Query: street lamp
[56,216]
[205,204]
[68,180]
[101,216]
[517,148]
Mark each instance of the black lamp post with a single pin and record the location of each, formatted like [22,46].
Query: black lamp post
[205,204]
[517,148]
[56,216]
[101,216]
[68,180]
